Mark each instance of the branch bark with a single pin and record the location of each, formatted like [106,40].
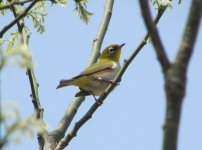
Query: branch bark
[151,27]
[177,75]
[63,143]
[32,79]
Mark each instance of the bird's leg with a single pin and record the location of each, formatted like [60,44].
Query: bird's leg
[91,93]
[96,100]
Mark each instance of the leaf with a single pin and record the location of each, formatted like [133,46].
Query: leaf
[10,43]
[38,16]
[81,10]
[3,11]
[161,4]
[61,2]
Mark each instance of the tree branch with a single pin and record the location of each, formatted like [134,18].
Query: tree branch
[190,34]
[32,79]
[64,123]
[101,31]
[160,51]
[177,75]
[36,102]
[14,3]
[63,143]
[19,17]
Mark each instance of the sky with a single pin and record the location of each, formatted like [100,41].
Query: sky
[133,114]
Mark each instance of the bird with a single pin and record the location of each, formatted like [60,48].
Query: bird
[95,79]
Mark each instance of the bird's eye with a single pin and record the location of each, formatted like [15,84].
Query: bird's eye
[111,50]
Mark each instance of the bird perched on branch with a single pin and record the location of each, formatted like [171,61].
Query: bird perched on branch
[95,79]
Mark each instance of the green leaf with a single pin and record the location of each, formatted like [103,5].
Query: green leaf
[60,2]
[38,16]
[2,3]
[10,43]
[82,11]
[161,4]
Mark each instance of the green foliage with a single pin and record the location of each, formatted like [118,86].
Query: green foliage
[81,10]
[149,40]
[161,4]
[10,43]
[16,54]
[60,2]
[38,16]
[14,126]
[2,59]
[3,3]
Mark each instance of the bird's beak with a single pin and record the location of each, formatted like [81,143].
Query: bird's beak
[122,45]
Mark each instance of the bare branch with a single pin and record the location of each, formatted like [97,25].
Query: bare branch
[35,100]
[160,51]
[177,75]
[32,79]
[63,143]
[101,32]
[190,34]
[19,17]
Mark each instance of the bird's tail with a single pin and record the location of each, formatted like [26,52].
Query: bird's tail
[64,83]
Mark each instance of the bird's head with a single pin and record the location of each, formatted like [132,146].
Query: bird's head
[112,52]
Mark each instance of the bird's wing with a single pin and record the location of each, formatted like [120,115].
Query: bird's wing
[99,67]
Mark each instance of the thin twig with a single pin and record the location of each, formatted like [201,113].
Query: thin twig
[32,80]
[7,6]
[20,27]
[160,51]
[63,143]
[35,100]
[19,17]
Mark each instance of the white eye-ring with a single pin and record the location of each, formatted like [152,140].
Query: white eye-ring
[111,50]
